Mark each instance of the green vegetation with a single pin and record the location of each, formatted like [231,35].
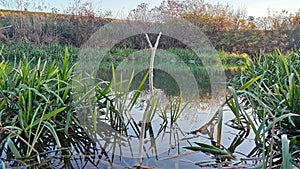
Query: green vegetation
[17,51]
[37,109]
[266,97]
[37,100]
[41,110]
[115,101]
[188,59]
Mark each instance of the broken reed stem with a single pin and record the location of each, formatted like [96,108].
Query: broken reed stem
[151,88]
[153,52]
[22,139]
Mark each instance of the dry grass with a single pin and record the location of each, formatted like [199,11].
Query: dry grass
[49,28]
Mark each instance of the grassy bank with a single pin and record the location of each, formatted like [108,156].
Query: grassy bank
[168,62]
[16,51]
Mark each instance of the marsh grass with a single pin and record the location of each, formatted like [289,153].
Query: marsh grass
[15,51]
[36,110]
[272,103]
[110,121]
[174,108]
[117,99]
[170,113]
[264,98]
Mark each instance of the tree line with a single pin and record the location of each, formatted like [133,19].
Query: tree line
[227,28]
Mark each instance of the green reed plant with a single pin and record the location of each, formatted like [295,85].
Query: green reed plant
[278,88]
[36,109]
[242,121]
[116,99]
[170,114]
[273,101]
[223,153]
[106,111]
[175,109]
[286,156]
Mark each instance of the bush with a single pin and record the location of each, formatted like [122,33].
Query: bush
[49,28]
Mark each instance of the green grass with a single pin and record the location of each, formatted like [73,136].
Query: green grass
[36,108]
[273,100]
[173,56]
[51,52]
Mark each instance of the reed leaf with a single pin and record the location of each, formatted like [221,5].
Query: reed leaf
[286,156]
[250,82]
[46,117]
[51,128]
[13,148]
[279,119]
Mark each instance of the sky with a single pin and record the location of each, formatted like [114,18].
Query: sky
[121,8]
[254,7]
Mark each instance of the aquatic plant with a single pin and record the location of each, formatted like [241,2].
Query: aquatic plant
[36,110]
[271,105]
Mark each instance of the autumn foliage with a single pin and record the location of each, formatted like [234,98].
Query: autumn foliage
[228,29]
[231,29]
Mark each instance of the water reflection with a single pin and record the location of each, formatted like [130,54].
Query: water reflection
[164,140]
[102,145]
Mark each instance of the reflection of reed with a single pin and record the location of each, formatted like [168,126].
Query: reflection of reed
[79,150]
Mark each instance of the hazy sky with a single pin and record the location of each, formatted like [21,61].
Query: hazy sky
[121,8]
[254,7]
